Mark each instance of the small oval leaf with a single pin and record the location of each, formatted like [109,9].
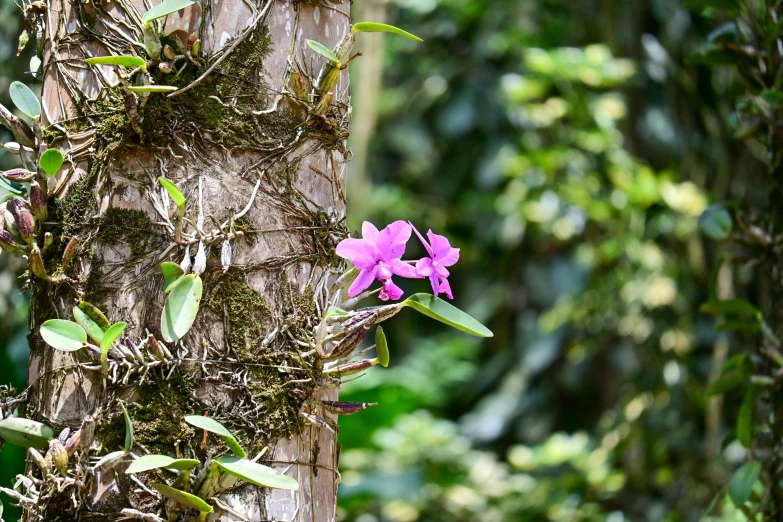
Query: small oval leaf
[442,311]
[109,337]
[85,321]
[25,432]
[166,8]
[51,161]
[324,51]
[742,482]
[63,335]
[171,274]
[125,61]
[25,99]
[174,192]
[183,498]
[152,88]
[257,474]
[213,426]
[95,314]
[381,347]
[373,27]
[149,462]
[181,308]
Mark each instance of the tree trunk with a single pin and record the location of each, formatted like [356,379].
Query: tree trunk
[233,139]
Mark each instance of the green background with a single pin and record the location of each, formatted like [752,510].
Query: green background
[568,148]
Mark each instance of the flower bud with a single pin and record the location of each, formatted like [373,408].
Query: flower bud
[10,223]
[38,201]
[72,444]
[200,263]
[70,251]
[19,175]
[59,456]
[185,264]
[168,52]
[165,68]
[48,240]
[8,244]
[25,222]
[351,368]
[195,48]
[38,460]
[37,266]
[192,39]
[51,185]
[350,343]
[347,408]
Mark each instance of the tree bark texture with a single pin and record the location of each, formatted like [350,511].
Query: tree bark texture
[263,173]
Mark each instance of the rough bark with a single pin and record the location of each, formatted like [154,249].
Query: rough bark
[260,313]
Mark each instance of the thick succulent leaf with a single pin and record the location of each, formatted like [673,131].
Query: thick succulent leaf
[181,308]
[95,314]
[373,27]
[381,347]
[149,462]
[92,328]
[334,311]
[166,8]
[442,311]
[152,88]
[125,61]
[25,99]
[174,192]
[171,274]
[25,432]
[51,161]
[63,335]
[213,426]
[324,51]
[182,498]
[111,335]
[257,474]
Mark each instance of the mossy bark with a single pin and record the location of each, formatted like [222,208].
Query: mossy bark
[235,140]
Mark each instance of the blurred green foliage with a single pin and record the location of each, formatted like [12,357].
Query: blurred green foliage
[568,148]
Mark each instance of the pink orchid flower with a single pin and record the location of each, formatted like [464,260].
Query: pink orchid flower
[441,255]
[377,256]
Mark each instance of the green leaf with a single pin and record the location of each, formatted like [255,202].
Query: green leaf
[25,99]
[125,61]
[729,307]
[257,474]
[109,337]
[381,347]
[174,192]
[51,161]
[149,462]
[130,438]
[95,314]
[213,426]
[63,335]
[743,481]
[181,308]
[333,311]
[166,8]
[85,321]
[172,272]
[442,311]
[35,66]
[745,426]
[735,371]
[152,88]
[324,51]
[373,27]
[182,498]
[774,98]
[715,222]
[25,432]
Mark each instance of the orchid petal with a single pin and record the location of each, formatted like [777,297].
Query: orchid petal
[404,269]
[369,232]
[392,239]
[445,287]
[449,258]
[357,251]
[442,271]
[440,247]
[424,266]
[427,246]
[362,282]
[390,291]
[434,283]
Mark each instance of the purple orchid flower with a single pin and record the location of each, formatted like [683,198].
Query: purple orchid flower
[441,255]
[377,256]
